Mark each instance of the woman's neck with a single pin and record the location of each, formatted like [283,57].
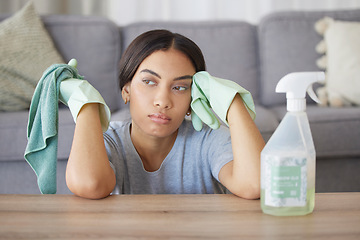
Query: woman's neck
[152,150]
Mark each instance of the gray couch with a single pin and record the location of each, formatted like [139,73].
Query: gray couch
[254,56]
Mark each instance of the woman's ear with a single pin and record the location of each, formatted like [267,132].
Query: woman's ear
[125,93]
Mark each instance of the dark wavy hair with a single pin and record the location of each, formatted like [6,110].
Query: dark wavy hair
[151,41]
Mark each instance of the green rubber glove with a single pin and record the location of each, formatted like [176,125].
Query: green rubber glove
[210,94]
[75,93]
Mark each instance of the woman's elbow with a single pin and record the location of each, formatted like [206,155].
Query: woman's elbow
[251,195]
[249,192]
[91,189]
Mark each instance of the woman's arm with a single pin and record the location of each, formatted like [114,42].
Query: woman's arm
[242,175]
[88,172]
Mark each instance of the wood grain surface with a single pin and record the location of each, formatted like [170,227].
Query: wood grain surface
[336,216]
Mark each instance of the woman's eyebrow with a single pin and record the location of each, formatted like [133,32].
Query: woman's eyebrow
[158,76]
[183,77]
[151,72]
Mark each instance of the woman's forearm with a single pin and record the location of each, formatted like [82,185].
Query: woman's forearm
[88,172]
[247,144]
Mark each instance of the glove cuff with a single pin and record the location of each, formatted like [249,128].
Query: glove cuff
[75,93]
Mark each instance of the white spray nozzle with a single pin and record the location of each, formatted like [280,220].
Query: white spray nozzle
[296,84]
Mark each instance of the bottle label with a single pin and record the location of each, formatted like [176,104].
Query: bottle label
[286,181]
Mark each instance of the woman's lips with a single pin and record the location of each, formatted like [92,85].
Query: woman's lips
[159,118]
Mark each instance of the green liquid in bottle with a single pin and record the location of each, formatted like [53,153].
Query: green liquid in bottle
[290,211]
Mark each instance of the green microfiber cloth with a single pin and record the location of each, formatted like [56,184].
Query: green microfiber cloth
[41,150]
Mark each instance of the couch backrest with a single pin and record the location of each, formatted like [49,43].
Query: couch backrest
[229,48]
[287,42]
[95,43]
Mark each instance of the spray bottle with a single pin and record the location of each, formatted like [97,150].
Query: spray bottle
[288,159]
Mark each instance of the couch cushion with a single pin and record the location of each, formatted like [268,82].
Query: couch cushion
[335,131]
[13,135]
[18,178]
[287,42]
[13,130]
[342,54]
[229,48]
[95,42]
[26,50]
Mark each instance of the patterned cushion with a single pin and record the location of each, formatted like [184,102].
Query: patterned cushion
[26,50]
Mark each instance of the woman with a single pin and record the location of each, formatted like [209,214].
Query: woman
[158,151]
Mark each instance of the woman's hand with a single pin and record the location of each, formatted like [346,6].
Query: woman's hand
[218,94]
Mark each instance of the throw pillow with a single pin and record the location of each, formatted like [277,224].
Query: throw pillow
[26,51]
[341,61]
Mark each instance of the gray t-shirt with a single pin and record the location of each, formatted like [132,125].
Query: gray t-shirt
[192,165]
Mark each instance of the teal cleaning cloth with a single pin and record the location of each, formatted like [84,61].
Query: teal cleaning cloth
[42,131]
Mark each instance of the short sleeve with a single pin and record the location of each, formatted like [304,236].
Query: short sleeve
[113,153]
[219,149]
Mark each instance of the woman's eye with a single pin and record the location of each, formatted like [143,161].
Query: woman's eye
[180,88]
[148,82]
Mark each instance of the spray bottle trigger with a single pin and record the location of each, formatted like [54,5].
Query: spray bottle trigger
[312,94]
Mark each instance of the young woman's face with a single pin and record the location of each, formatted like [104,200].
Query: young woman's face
[160,94]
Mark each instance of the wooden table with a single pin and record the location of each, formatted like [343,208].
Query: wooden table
[336,216]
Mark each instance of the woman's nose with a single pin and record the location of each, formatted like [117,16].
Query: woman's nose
[162,99]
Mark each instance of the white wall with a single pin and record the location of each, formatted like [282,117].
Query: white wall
[128,11]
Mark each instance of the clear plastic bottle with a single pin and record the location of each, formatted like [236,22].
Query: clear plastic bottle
[288,159]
